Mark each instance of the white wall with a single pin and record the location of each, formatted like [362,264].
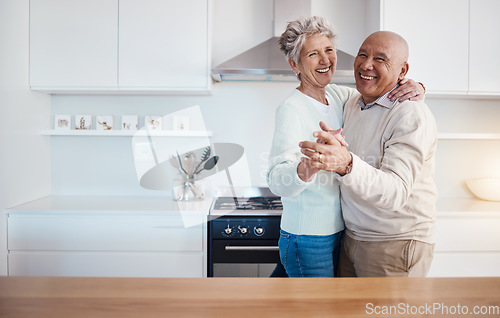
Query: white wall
[24,155]
[243,112]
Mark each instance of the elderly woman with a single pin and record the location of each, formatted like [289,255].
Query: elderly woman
[311,223]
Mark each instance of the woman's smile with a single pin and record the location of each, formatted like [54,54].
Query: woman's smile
[323,70]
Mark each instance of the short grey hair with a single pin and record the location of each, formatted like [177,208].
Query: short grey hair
[294,37]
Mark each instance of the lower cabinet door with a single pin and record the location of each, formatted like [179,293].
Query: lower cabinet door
[95,264]
[465,264]
[468,234]
[72,232]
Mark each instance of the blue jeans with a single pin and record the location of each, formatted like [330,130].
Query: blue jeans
[309,255]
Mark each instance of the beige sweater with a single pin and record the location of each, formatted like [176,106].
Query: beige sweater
[390,193]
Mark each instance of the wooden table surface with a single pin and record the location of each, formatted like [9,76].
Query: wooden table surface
[75,297]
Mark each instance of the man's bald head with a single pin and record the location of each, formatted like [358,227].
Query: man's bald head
[394,41]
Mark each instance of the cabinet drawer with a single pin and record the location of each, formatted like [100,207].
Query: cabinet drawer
[97,264]
[468,234]
[103,233]
[454,264]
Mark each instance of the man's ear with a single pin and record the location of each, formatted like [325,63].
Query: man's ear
[404,70]
[294,66]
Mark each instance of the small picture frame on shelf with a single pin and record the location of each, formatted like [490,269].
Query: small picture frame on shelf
[104,122]
[153,122]
[83,122]
[130,122]
[180,122]
[62,122]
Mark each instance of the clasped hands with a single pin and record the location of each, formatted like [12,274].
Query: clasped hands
[328,153]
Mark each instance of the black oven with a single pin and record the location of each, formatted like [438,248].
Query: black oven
[243,238]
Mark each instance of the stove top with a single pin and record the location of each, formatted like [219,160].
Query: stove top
[262,205]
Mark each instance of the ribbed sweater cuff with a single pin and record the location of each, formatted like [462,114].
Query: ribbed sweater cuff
[286,182]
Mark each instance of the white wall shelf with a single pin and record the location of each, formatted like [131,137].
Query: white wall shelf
[201,133]
[127,133]
[468,136]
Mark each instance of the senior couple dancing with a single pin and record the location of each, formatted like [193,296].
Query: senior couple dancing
[364,205]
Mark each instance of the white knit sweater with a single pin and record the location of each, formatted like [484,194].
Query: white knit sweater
[310,208]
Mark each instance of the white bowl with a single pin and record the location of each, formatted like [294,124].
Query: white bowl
[486,188]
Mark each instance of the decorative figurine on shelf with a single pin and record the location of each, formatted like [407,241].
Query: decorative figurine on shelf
[189,170]
[83,122]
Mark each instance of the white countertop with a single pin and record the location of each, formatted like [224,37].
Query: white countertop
[99,204]
[466,207]
[55,203]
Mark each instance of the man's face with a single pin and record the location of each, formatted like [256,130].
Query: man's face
[378,67]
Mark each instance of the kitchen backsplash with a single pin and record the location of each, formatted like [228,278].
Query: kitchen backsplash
[243,113]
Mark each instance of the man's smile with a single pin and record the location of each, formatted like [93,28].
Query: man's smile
[365,77]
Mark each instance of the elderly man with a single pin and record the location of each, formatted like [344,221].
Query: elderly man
[387,174]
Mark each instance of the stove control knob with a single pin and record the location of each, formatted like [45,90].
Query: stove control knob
[259,230]
[228,230]
[243,230]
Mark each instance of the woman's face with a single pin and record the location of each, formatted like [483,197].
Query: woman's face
[317,61]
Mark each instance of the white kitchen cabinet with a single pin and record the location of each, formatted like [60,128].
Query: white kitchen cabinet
[73,44]
[107,236]
[467,239]
[484,47]
[119,46]
[92,264]
[163,44]
[437,33]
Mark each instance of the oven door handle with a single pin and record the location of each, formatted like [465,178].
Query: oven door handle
[251,248]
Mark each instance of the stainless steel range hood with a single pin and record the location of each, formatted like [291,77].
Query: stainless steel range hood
[265,62]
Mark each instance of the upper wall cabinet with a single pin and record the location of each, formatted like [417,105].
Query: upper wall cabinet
[437,32]
[73,44]
[163,43]
[452,43]
[484,47]
[129,46]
